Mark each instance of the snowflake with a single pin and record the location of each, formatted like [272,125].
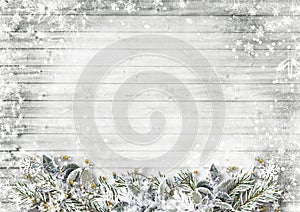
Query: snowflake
[158,3]
[249,48]
[130,7]
[189,20]
[182,4]
[114,7]
[238,42]
[260,32]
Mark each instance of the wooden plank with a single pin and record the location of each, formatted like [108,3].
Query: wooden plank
[193,7]
[67,74]
[98,40]
[71,142]
[252,110]
[81,57]
[144,24]
[232,92]
[173,126]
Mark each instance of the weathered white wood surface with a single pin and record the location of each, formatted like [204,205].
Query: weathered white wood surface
[251,92]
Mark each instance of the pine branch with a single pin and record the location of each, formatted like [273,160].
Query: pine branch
[239,183]
[186,181]
[260,194]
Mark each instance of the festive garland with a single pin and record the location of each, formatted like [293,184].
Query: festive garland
[58,185]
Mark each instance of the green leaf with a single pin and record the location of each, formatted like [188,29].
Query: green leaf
[74,175]
[86,178]
[209,210]
[68,169]
[49,164]
[161,188]
[223,196]
[204,184]
[205,191]
[196,197]
[214,173]
[224,206]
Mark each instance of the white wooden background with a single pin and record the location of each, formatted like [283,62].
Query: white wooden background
[249,90]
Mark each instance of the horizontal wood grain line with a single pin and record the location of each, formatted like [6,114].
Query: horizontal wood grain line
[24,83]
[172,13]
[194,8]
[238,50]
[56,114]
[148,50]
[287,100]
[136,66]
[157,32]
[40,81]
[279,117]
[144,51]
[259,151]
[224,133]
[193,37]
[142,13]
[113,36]
[44,114]
[206,48]
[9,168]
[244,106]
[197,39]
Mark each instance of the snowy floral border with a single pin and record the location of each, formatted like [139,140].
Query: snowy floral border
[60,185]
